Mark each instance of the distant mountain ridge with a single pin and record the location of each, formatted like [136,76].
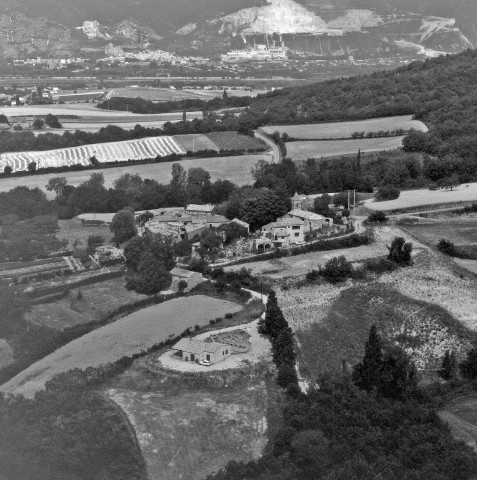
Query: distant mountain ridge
[208,27]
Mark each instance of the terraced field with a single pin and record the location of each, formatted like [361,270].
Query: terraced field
[104,152]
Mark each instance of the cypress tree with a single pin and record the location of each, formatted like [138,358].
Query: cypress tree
[366,375]
[448,366]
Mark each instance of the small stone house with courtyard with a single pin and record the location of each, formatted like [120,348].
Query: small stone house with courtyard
[190,350]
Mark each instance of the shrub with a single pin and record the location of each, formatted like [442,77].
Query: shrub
[212,321]
[337,269]
[400,251]
[387,192]
[228,316]
[182,285]
[377,217]
[447,247]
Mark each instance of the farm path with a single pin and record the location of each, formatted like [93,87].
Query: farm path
[461,416]
[276,154]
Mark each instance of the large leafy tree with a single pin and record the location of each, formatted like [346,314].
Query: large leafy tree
[123,226]
[262,207]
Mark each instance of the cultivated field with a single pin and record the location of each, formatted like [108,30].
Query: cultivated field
[194,143]
[320,131]
[330,148]
[104,152]
[131,334]
[233,141]
[234,168]
[426,198]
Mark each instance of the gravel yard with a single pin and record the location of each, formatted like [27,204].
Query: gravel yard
[260,350]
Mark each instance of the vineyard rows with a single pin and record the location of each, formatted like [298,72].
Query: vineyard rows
[104,152]
[233,141]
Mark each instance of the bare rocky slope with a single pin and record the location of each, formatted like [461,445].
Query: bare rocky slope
[327,28]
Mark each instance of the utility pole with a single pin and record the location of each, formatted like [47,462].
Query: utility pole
[348,199]
[354,204]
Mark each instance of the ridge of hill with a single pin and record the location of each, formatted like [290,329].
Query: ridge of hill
[441,92]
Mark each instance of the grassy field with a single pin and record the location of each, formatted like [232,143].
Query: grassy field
[459,229]
[425,198]
[73,230]
[98,300]
[346,129]
[236,169]
[300,265]
[131,334]
[328,148]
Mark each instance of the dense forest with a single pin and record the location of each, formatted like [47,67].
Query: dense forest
[440,92]
[371,423]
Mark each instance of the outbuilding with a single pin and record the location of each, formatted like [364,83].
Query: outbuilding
[190,350]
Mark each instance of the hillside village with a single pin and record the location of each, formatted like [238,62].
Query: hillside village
[304,319]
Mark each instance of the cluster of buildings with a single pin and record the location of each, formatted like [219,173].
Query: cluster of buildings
[117,54]
[257,53]
[185,223]
[50,62]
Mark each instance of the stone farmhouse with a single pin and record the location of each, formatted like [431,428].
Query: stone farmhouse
[182,226]
[313,221]
[285,231]
[190,350]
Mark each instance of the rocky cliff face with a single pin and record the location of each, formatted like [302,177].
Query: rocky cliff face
[324,27]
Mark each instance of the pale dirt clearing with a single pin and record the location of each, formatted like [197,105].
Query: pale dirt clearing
[190,432]
[131,334]
[427,198]
[260,351]
[346,129]
[330,148]
[236,169]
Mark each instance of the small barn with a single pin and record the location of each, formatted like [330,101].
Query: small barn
[190,350]
[192,278]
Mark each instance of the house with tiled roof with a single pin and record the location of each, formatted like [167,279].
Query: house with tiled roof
[191,350]
[285,231]
[194,209]
[313,221]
